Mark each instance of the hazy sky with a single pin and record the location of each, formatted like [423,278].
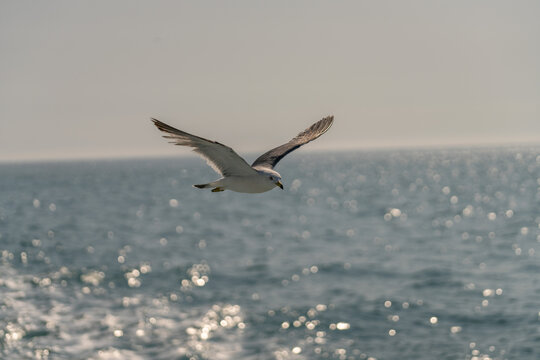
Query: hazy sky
[82,78]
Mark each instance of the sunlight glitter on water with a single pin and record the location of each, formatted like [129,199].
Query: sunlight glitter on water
[198,276]
[226,317]
[342,261]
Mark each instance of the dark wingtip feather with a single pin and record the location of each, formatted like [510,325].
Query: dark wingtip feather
[158,124]
[326,123]
[166,128]
[272,157]
[315,130]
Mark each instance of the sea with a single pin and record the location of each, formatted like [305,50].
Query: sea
[379,254]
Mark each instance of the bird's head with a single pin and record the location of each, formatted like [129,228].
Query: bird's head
[272,176]
[277,182]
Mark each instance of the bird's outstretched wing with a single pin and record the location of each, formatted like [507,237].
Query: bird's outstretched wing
[270,159]
[221,158]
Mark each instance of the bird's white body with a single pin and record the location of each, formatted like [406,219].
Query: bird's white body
[259,181]
[256,183]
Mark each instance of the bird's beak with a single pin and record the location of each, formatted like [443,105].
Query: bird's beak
[278,183]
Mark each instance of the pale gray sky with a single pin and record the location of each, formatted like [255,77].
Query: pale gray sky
[82,78]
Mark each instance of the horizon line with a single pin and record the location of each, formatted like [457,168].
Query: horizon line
[344,148]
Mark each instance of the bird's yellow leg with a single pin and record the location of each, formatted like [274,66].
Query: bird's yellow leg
[218,189]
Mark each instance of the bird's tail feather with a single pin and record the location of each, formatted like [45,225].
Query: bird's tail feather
[203,186]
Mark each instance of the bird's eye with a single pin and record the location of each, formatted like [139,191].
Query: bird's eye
[270,178]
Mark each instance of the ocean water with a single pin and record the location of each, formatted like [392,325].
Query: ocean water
[431,254]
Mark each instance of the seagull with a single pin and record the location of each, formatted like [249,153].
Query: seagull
[237,174]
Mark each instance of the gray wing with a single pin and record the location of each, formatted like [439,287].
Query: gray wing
[221,158]
[271,158]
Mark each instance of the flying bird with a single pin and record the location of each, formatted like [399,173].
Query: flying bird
[237,174]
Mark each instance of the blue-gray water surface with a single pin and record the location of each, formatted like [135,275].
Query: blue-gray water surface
[431,254]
